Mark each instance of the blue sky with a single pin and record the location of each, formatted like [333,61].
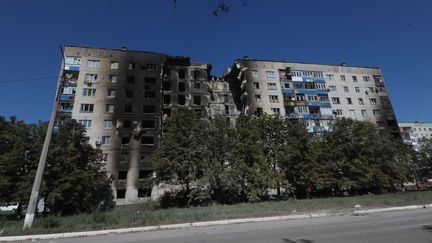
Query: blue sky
[395,35]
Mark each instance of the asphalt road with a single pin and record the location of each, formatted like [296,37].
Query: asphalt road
[409,226]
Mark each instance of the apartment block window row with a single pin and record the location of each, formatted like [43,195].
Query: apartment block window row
[272,86]
[312,74]
[275,111]
[330,77]
[270,74]
[335,100]
[107,124]
[90,78]
[337,112]
[85,123]
[346,89]
[114,65]
[373,101]
[342,77]
[366,79]
[106,140]
[73,60]
[89,92]
[93,64]
[109,108]
[111,93]
[354,79]
[273,98]
[87,108]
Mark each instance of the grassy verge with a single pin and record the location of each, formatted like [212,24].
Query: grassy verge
[145,215]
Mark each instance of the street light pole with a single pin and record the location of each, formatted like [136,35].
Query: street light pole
[31,208]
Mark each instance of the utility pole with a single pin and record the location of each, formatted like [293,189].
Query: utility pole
[31,207]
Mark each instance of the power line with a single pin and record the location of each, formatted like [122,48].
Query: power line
[26,79]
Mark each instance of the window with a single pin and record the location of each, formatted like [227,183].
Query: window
[130,79]
[197,100]
[226,98]
[352,113]
[122,175]
[149,67]
[89,92]
[272,86]
[166,86]
[85,123]
[114,65]
[181,86]
[273,98]
[111,93]
[300,97]
[69,90]
[147,140]
[93,64]
[73,60]
[129,93]
[332,88]
[107,124]
[131,66]
[181,99]
[366,79]
[254,73]
[127,124]
[196,74]
[113,78]
[121,193]
[329,76]
[357,89]
[343,78]
[259,110]
[106,140]
[147,124]
[354,78]
[270,74]
[346,88]
[125,140]
[167,99]
[149,109]
[226,110]
[149,94]
[109,108]
[337,112]
[145,173]
[335,100]
[377,112]
[360,100]
[104,157]
[182,73]
[197,85]
[318,86]
[371,89]
[128,108]
[87,107]
[364,113]
[150,80]
[312,97]
[256,85]
[373,101]
[275,111]
[90,78]
[258,98]
[349,101]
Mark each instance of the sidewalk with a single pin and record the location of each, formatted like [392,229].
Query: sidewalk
[200,224]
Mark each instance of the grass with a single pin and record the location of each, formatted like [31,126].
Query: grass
[147,214]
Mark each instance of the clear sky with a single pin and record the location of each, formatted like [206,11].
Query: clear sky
[395,35]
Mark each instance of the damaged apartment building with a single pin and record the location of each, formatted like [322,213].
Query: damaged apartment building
[123,98]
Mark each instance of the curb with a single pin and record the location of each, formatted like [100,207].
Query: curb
[197,224]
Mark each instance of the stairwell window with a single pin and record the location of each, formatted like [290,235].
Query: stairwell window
[87,108]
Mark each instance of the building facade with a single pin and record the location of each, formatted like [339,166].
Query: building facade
[313,94]
[412,133]
[124,97]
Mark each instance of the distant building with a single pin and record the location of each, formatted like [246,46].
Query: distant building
[314,94]
[413,132]
[123,98]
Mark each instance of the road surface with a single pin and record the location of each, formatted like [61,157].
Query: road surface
[409,226]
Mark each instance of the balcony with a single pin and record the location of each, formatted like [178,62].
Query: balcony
[318,103]
[316,80]
[312,91]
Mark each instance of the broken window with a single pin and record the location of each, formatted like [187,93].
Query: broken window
[166,86]
[197,100]
[226,109]
[111,93]
[147,140]
[181,99]
[181,86]
[167,99]
[122,175]
[130,79]
[197,85]
[149,109]
[196,74]
[121,193]
[109,108]
[113,78]
[258,98]
[354,78]
[128,108]
[256,85]
[272,86]
[131,66]
[147,124]
[182,73]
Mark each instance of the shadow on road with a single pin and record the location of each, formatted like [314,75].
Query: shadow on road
[297,241]
[427,227]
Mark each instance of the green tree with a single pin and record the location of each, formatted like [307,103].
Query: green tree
[74,179]
[20,145]
[359,156]
[424,158]
[181,156]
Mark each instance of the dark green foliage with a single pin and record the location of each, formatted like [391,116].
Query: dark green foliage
[360,156]
[424,159]
[74,181]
